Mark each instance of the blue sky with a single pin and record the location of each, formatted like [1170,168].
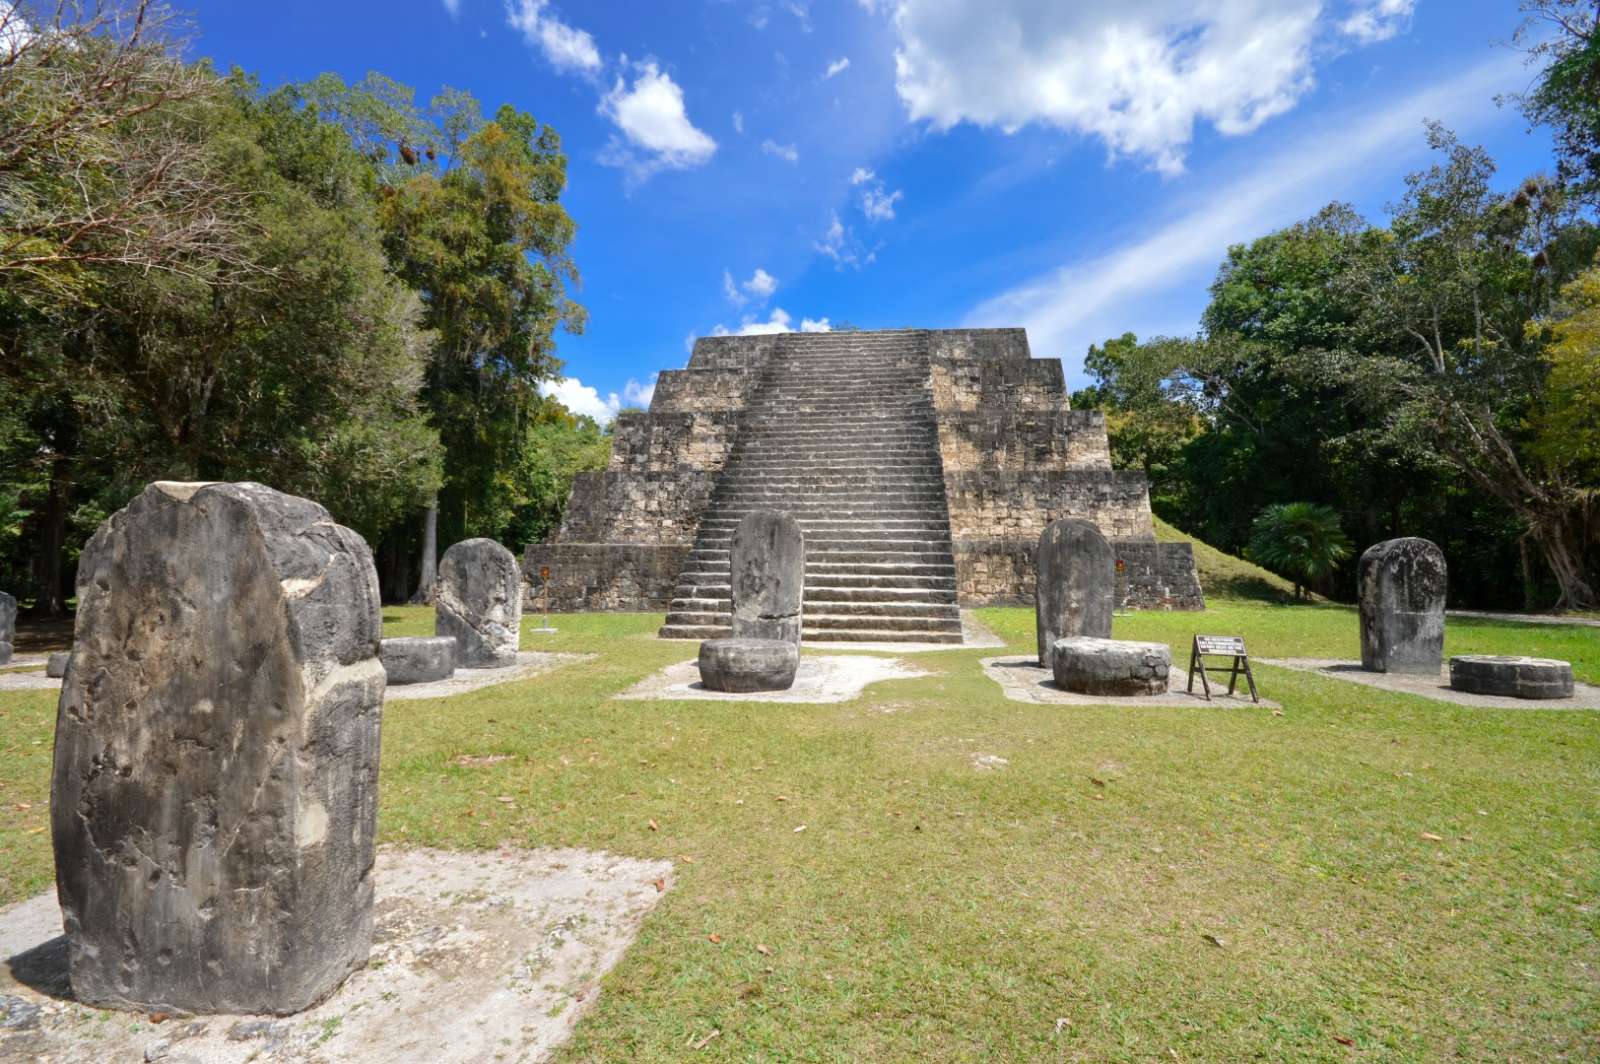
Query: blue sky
[1078,168]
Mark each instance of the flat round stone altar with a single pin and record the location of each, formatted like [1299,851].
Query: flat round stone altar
[748,664]
[1511,675]
[1110,666]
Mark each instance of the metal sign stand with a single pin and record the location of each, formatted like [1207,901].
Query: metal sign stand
[544,579]
[1231,646]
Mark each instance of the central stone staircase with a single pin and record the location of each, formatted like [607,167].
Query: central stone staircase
[840,432]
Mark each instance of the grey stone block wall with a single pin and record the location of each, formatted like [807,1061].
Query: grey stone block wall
[602,576]
[1001,572]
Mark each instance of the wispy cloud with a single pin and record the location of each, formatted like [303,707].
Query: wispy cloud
[787,152]
[759,287]
[566,47]
[780,321]
[838,66]
[1070,307]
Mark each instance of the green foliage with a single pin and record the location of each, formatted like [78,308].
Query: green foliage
[1567,429]
[1301,540]
[1566,93]
[559,447]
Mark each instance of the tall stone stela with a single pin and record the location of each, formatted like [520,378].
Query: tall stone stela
[8,626]
[769,573]
[477,598]
[1402,583]
[214,795]
[1076,589]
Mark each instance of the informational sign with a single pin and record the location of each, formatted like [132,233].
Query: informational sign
[1224,646]
[544,573]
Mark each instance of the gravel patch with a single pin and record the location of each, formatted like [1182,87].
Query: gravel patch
[1023,680]
[1584,696]
[529,663]
[478,956]
[821,678]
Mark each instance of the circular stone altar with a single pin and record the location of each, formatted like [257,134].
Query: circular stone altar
[745,665]
[1511,676]
[418,659]
[1092,666]
[56,667]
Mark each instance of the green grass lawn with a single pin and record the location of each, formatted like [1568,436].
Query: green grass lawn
[1135,884]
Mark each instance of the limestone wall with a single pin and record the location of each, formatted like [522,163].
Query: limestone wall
[602,576]
[659,443]
[1001,571]
[1003,503]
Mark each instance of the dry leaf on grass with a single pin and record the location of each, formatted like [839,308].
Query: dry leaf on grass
[714,938]
[1213,940]
[799,829]
[706,1040]
[765,951]
[1431,837]
[654,826]
[661,885]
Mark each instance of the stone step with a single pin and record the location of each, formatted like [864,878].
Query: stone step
[931,525]
[819,545]
[683,607]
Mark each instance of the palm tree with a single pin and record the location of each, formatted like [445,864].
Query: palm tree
[1301,540]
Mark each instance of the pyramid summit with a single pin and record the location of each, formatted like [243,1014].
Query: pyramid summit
[922,465]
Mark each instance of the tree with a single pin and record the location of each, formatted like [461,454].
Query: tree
[1461,274]
[473,223]
[1300,540]
[1566,92]
[103,158]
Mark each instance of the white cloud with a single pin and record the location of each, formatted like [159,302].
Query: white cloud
[585,400]
[738,122]
[1377,20]
[877,203]
[452,6]
[650,113]
[838,66]
[801,11]
[759,287]
[1084,301]
[786,152]
[1139,75]
[761,284]
[861,175]
[778,322]
[566,47]
[839,243]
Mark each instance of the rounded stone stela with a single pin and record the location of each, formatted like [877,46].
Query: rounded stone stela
[1511,676]
[418,659]
[1117,667]
[748,665]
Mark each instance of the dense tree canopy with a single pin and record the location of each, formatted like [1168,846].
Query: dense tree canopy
[321,288]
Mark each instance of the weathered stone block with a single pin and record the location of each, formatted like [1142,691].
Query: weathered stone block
[1110,666]
[8,626]
[1511,676]
[1402,583]
[216,763]
[1076,588]
[745,665]
[56,666]
[418,659]
[768,576]
[478,601]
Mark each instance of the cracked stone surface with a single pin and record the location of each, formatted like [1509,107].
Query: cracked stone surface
[418,658]
[1402,583]
[215,784]
[1076,586]
[488,956]
[768,567]
[478,600]
[748,664]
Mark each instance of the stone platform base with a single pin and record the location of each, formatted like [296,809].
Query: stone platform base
[820,678]
[417,659]
[1022,679]
[1437,687]
[477,956]
[1117,668]
[530,663]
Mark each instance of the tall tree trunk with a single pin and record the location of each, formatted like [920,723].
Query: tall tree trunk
[430,555]
[1562,545]
[51,539]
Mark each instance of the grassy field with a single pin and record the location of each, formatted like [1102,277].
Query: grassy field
[1364,877]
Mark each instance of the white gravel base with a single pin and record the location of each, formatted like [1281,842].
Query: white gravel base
[529,663]
[1023,680]
[28,681]
[1584,696]
[820,678]
[478,956]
